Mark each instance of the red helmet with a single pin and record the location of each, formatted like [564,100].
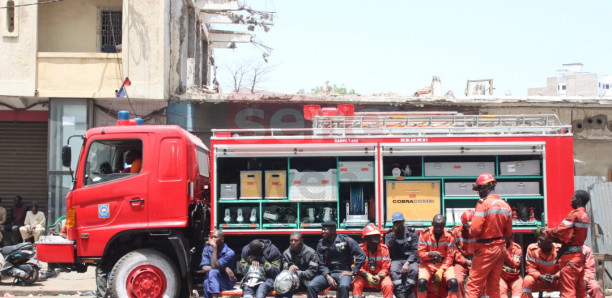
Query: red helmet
[467,216]
[370,229]
[484,180]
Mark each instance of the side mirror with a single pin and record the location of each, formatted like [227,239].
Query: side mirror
[66,155]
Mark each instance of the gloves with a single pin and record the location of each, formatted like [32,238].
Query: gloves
[371,280]
[439,274]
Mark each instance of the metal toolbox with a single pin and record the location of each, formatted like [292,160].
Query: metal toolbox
[250,185]
[520,167]
[313,186]
[356,170]
[459,189]
[417,200]
[520,188]
[228,192]
[276,185]
[458,168]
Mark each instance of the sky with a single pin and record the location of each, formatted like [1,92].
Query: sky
[398,46]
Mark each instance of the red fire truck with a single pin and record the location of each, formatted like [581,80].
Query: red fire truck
[354,168]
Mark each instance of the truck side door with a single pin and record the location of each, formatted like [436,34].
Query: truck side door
[114,193]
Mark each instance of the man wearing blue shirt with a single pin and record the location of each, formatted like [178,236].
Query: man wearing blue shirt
[218,264]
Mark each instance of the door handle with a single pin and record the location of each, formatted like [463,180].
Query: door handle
[136,202]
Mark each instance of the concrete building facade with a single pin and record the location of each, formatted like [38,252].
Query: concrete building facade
[65,61]
[572,81]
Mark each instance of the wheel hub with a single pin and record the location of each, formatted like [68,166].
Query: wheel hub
[146,281]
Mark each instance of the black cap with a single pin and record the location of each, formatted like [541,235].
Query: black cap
[328,224]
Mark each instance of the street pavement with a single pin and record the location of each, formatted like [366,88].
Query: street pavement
[65,284]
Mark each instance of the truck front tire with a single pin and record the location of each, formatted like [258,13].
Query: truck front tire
[144,273]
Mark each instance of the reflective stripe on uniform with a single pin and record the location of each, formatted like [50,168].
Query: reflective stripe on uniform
[481,214]
[577,224]
[397,282]
[400,241]
[517,256]
[526,290]
[469,240]
[498,211]
[542,262]
[436,244]
[411,281]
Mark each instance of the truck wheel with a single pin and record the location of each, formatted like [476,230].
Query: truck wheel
[144,273]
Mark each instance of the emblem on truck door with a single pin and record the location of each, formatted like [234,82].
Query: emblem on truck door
[103,211]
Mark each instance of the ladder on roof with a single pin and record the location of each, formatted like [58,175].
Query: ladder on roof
[450,124]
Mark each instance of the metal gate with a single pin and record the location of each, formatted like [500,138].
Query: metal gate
[23,162]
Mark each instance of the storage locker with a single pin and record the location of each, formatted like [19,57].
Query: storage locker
[520,188]
[459,189]
[458,168]
[520,168]
[356,170]
[313,186]
[250,185]
[417,200]
[276,185]
[228,192]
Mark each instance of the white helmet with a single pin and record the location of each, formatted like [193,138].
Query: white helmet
[286,282]
[254,276]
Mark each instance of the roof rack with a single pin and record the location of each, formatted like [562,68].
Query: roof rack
[422,125]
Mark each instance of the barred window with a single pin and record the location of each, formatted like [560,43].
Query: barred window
[110,30]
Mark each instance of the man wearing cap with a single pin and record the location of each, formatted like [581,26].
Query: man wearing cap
[463,249]
[374,274]
[491,226]
[436,254]
[403,245]
[337,253]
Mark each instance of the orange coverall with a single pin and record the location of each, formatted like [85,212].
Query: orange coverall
[428,243]
[537,263]
[492,223]
[383,262]
[511,274]
[593,288]
[572,232]
[462,251]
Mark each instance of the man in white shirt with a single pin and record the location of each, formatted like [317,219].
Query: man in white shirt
[34,224]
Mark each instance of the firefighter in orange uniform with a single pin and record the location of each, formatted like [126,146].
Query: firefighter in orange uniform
[374,274]
[491,226]
[572,232]
[542,267]
[511,278]
[436,255]
[463,249]
[592,287]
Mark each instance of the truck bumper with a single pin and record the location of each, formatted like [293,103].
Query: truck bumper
[54,249]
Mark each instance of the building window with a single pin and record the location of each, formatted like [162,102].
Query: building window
[110,30]
[10,16]
[563,87]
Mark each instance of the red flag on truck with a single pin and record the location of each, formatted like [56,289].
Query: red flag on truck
[126,83]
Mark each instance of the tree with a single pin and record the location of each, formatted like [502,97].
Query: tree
[329,88]
[249,75]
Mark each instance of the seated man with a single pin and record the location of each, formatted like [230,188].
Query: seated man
[337,254]
[592,287]
[375,269]
[134,159]
[218,261]
[300,259]
[462,255]
[403,245]
[542,267]
[34,224]
[511,272]
[259,255]
[436,258]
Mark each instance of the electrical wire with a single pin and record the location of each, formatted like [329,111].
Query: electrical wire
[29,4]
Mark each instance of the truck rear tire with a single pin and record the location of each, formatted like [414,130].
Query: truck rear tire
[144,273]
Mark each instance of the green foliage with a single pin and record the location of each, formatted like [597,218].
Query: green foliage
[329,88]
